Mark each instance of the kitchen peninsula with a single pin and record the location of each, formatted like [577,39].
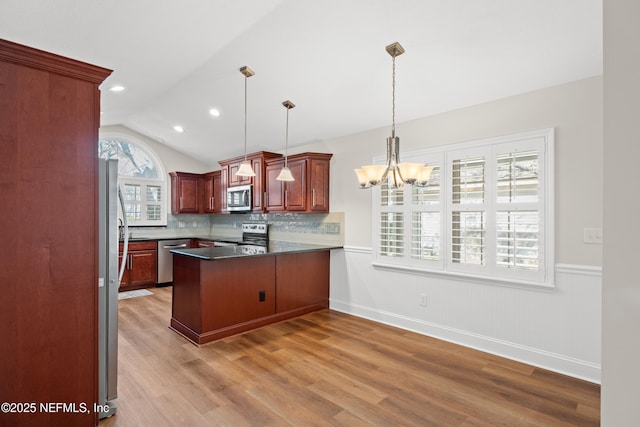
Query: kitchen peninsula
[222,291]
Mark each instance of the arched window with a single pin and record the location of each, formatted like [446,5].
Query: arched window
[141,178]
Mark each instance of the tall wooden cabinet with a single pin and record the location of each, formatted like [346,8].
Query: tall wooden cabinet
[49,119]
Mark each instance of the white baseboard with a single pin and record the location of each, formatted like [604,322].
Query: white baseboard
[554,362]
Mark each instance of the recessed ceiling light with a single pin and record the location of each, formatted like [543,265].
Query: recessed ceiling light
[214,112]
[116,88]
[178,128]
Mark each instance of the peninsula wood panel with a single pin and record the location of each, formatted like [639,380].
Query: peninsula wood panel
[49,118]
[303,281]
[213,299]
[231,291]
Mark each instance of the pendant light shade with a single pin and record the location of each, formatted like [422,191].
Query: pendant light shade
[285,172]
[393,172]
[245,168]
[285,175]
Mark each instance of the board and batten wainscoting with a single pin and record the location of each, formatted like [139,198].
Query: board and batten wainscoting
[557,329]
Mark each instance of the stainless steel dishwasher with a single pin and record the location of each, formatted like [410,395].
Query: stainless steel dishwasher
[165,258]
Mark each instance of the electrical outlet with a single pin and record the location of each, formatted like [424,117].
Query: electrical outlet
[181,224]
[423,300]
[195,224]
[592,236]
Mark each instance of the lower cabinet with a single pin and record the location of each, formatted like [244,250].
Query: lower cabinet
[141,265]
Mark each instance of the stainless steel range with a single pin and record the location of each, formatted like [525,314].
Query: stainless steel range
[255,237]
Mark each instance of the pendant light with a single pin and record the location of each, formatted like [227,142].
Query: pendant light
[395,172]
[245,168]
[285,172]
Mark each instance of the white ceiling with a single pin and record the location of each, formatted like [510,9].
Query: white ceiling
[179,59]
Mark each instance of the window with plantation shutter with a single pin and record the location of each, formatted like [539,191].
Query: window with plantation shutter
[391,222]
[426,223]
[486,212]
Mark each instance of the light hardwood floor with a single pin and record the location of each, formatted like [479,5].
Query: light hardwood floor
[328,368]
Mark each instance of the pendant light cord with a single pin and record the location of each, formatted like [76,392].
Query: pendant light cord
[286,141]
[245,118]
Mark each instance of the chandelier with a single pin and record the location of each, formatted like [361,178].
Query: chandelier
[393,171]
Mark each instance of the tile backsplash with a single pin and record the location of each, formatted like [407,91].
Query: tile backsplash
[290,227]
[286,226]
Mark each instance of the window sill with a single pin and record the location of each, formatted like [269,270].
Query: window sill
[485,280]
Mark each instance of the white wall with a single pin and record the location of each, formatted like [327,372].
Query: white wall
[171,159]
[557,329]
[621,290]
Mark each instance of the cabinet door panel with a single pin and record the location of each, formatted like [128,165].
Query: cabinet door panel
[296,191]
[144,268]
[125,275]
[188,193]
[258,192]
[219,193]
[274,188]
[208,200]
[319,185]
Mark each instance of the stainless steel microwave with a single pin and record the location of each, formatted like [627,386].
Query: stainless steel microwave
[239,198]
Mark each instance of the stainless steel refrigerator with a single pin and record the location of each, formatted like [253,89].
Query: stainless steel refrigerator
[108,284]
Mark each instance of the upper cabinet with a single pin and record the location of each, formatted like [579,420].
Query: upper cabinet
[318,178]
[186,193]
[258,160]
[207,193]
[309,192]
[212,186]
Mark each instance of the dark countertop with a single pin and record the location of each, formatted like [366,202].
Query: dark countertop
[274,248]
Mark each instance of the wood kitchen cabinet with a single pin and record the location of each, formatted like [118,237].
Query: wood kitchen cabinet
[212,199]
[141,269]
[49,120]
[258,162]
[197,193]
[310,190]
[290,195]
[186,193]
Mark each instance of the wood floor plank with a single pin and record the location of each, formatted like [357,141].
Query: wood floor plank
[328,368]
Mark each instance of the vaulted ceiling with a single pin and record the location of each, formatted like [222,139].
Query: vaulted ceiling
[178,60]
